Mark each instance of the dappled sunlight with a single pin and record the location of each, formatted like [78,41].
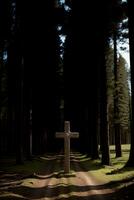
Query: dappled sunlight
[9,179]
[11,196]
[80,159]
[51,157]
[52,183]
[58,191]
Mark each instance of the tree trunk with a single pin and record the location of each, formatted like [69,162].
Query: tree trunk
[116,103]
[104,133]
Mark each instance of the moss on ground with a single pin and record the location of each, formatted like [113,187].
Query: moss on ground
[117,175]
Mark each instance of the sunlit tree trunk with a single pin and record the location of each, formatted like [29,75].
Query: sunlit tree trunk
[104,131]
[116,102]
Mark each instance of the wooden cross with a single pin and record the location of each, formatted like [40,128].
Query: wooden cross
[67,135]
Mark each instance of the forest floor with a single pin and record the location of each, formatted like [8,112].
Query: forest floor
[46,180]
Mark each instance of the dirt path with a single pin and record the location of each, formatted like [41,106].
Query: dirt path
[53,184]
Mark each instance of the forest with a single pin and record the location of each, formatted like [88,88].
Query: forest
[61,60]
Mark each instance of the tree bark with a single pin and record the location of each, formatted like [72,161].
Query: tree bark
[116,103]
[104,132]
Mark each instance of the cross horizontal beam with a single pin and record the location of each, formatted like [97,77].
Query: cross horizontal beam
[71,134]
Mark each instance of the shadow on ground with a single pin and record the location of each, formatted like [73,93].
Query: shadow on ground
[70,192]
[40,164]
[10,183]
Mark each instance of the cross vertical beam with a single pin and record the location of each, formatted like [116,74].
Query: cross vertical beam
[67,135]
